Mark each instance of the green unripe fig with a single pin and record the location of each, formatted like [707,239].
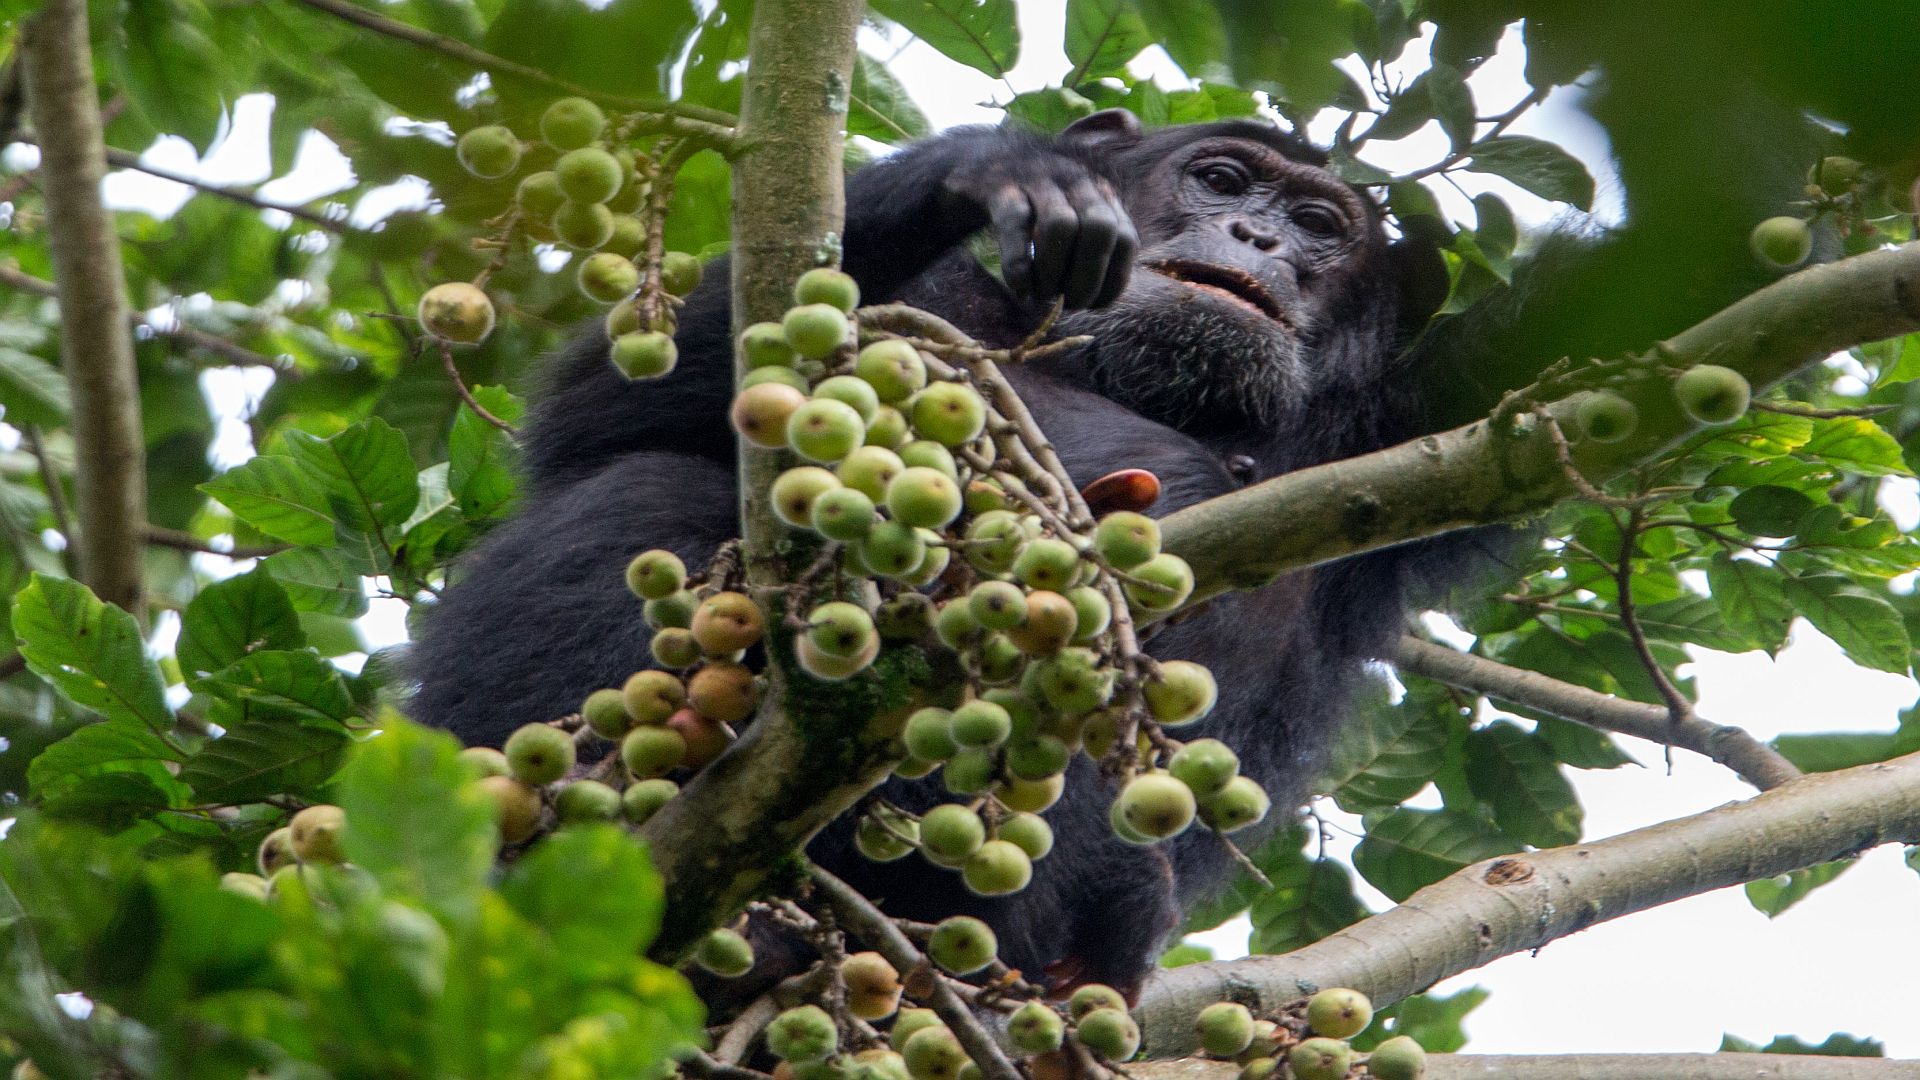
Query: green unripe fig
[929,735]
[1162,583]
[725,953]
[869,470]
[932,564]
[824,430]
[1047,563]
[765,345]
[1782,241]
[674,647]
[1206,766]
[1266,1040]
[654,751]
[586,800]
[1606,417]
[1261,1068]
[893,368]
[588,175]
[1035,1028]
[893,549]
[781,375]
[839,628]
[726,623]
[315,834]
[538,195]
[923,497]
[1320,1059]
[456,312]
[1180,692]
[1242,802]
[1835,175]
[251,885]
[629,236]
[583,226]
[571,122]
[1031,796]
[650,696]
[997,605]
[911,1021]
[723,692]
[949,413]
[1225,1028]
[994,540]
[1028,832]
[962,944]
[1111,1033]
[761,412]
[646,355]
[793,493]
[951,832]
[1126,539]
[674,609]
[1092,612]
[1037,757]
[927,454]
[1156,805]
[873,985]
[605,711]
[679,272]
[1050,623]
[641,800]
[815,330]
[483,761]
[1093,996]
[879,1063]
[884,836]
[981,723]
[607,277]
[825,285]
[852,391]
[1398,1058]
[488,152]
[934,1053]
[889,428]
[906,617]
[999,868]
[1712,394]
[955,625]
[971,771]
[1339,1013]
[516,806]
[1074,681]
[805,1033]
[539,754]
[656,574]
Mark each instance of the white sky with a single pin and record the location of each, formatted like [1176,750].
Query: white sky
[1668,980]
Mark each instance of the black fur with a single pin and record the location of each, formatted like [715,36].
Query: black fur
[1179,381]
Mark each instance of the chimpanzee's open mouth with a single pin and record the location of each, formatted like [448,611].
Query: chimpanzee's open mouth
[1228,281]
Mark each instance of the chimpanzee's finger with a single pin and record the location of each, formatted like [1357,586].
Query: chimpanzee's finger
[1012,227]
[1054,226]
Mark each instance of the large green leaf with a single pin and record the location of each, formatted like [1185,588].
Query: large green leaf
[880,107]
[277,495]
[1311,898]
[1866,626]
[1388,752]
[1773,896]
[1857,445]
[1536,165]
[623,47]
[232,618]
[618,917]
[1751,598]
[982,34]
[365,471]
[297,684]
[106,773]
[319,581]
[1406,850]
[480,458]
[1519,778]
[1102,35]
[32,391]
[416,820]
[261,757]
[91,651]
[1190,30]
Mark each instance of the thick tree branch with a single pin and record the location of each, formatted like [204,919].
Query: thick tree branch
[743,817]
[1755,761]
[1475,475]
[1519,902]
[1595,1067]
[96,350]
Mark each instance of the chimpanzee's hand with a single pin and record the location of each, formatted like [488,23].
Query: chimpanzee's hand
[1062,230]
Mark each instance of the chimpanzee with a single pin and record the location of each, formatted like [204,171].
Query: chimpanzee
[1245,308]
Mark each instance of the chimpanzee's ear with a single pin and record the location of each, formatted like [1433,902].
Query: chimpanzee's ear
[1108,128]
[1421,275]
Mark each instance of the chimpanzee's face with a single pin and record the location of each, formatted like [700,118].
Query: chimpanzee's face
[1251,278]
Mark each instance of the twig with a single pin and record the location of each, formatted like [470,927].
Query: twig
[704,1065]
[1679,709]
[1787,408]
[185,541]
[126,159]
[466,395]
[236,355]
[738,1039]
[30,436]
[1755,762]
[873,928]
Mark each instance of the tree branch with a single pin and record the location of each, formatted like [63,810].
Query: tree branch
[743,817]
[1475,475]
[1756,762]
[96,350]
[1520,902]
[1595,1067]
[185,541]
[192,337]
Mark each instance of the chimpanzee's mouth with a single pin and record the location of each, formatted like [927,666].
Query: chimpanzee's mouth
[1228,281]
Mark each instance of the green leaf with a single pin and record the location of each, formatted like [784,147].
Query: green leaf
[1693,620]
[297,684]
[1834,1046]
[1867,627]
[232,618]
[1830,751]
[319,581]
[1190,30]
[616,920]
[982,34]
[480,459]
[277,495]
[623,47]
[365,471]
[1520,779]
[417,821]
[1185,953]
[1049,111]
[1435,1021]
[32,391]
[1752,599]
[1102,35]
[107,773]
[1771,510]
[1579,745]
[880,107]
[1389,752]
[91,651]
[1857,445]
[1537,166]
[1771,896]
[1897,360]
[1406,850]
[1310,899]
[258,758]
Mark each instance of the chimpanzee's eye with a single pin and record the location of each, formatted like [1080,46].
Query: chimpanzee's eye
[1222,178]
[1318,219]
